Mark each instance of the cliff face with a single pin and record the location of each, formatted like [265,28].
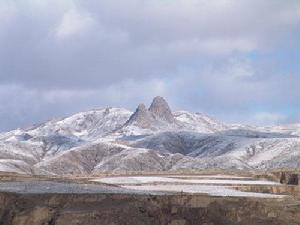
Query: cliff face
[158,116]
[290,178]
[122,209]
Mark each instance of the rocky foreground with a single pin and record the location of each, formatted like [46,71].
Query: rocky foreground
[132,209]
[27,200]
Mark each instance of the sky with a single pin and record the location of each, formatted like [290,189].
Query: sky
[236,60]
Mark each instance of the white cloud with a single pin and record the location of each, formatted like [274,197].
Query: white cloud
[27,106]
[7,11]
[200,54]
[212,46]
[73,23]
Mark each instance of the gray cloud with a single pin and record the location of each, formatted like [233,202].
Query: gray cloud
[63,56]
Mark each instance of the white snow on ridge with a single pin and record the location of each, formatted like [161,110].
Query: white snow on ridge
[293,129]
[18,166]
[87,125]
[198,122]
[104,140]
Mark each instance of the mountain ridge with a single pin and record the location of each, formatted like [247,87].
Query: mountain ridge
[115,139]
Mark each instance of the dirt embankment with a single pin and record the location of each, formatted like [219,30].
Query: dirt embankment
[131,209]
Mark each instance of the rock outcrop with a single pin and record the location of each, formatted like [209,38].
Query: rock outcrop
[157,117]
[161,110]
[289,178]
[129,209]
[141,117]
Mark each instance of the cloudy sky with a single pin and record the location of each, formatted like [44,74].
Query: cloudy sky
[236,60]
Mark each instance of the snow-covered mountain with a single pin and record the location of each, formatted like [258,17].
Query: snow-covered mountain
[149,139]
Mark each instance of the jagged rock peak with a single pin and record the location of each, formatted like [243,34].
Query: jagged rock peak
[160,108]
[107,110]
[140,112]
[141,116]
[141,107]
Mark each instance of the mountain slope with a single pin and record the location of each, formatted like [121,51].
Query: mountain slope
[198,122]
[105,157]
[150,139]
[23,148]
[208,150]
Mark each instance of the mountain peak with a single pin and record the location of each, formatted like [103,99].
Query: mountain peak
[141,116]
[160,108]
[158,99]
[106,112]
[141,107]
[159,114]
